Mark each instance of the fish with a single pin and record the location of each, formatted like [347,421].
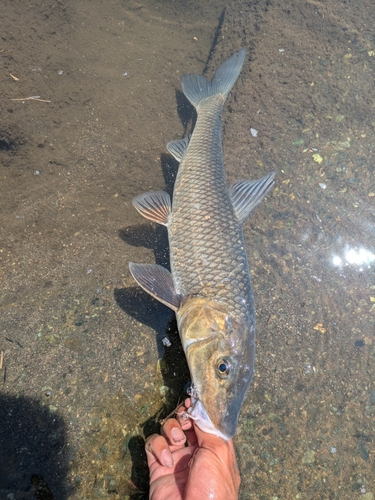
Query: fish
[209,286]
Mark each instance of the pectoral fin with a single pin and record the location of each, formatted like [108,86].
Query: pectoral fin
[247,195]
[155,206]
[178,148]
[157,281]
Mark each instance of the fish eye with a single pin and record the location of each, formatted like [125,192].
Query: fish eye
[223,368]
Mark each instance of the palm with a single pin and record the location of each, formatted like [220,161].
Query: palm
[203,465]
[171,482]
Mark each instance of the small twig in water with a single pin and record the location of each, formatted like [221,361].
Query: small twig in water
[31,98]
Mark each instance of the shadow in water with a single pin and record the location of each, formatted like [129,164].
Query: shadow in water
[216,38]
[33,461]
[145,309]
[186,112]
[140,474]
[175,374]
[148,236]
[169,167]
[142,307]
[135,301]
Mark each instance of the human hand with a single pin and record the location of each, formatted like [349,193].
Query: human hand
[188,464]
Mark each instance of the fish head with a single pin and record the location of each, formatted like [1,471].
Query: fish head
[220,352]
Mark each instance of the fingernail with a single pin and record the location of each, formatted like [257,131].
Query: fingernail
[166,458]
[177,435]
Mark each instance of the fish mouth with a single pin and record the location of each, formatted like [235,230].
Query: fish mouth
[224,426]
[199,414]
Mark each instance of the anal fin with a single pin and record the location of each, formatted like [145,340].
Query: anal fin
[155,206]
[157,281]
[247,195]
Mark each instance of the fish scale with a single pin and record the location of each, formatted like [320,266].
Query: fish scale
[209,285]
[208,256]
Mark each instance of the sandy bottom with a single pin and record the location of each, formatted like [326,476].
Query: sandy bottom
[90,96]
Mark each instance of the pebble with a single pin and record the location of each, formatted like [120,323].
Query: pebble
[163,389]
[309,457]
[367,496]
[308,369]
[166,342]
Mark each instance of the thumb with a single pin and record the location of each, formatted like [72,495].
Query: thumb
[209,441]
[223,450]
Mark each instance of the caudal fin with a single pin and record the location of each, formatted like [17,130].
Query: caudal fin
[196,87]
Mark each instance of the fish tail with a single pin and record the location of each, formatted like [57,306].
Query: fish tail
[197,88]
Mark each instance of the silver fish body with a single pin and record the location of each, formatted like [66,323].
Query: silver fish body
[209,286]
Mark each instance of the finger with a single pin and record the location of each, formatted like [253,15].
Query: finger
[223,450]
[213,442]
[183,419]
[220,447]
[231,447]
[172,431]
[191,436]
[157,449]
[186,424]
[158,458]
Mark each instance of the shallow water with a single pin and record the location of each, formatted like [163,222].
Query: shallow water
[84,374]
